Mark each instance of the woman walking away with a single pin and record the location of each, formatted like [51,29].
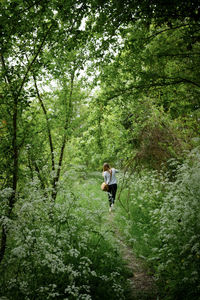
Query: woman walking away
[110,179]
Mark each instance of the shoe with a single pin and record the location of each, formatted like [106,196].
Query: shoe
[110,209]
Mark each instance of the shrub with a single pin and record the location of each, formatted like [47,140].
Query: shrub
[179,221]
[60,251]
[161,220]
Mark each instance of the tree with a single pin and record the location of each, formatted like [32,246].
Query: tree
[28,31]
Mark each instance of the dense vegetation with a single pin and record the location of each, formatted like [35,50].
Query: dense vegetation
[84,82]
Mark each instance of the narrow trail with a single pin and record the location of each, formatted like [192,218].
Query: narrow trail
[142,284]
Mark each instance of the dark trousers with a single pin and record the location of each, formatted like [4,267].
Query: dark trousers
[112,193]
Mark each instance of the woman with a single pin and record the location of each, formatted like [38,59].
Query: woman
[110,179]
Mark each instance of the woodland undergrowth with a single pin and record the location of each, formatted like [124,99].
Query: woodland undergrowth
[159,216]
[67,250]
[62,251]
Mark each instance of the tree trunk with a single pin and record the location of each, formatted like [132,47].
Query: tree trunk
[48,127]
[68,116]
[14,179]
[3,243]
[16,96]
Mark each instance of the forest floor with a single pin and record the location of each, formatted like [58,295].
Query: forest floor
[141,282]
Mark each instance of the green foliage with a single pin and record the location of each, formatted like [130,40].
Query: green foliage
[81,84]
[64,251]
[151,90]
[179,231]
[160,219]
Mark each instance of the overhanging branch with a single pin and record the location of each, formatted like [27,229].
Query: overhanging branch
[168,82]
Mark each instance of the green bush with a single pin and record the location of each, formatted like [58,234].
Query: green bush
[161,220]
[61,251]
[179,234]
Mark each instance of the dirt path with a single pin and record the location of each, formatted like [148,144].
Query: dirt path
[142,284]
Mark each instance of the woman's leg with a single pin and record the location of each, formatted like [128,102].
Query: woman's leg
[114,190]
[112,193]
[110,197]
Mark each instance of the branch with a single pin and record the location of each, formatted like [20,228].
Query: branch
[47,122]
[33,60]
[164,30]
[173,81]
[190,81]
[177,54]
[7,79]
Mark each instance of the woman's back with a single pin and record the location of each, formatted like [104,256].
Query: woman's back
[108,178]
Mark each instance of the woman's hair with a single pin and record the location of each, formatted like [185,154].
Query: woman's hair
[106,167]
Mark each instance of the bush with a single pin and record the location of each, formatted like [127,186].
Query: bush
[60,251]
[161,220]
[179,234]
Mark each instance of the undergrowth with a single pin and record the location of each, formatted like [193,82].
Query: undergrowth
[63,250]
[67,250]
[160,219]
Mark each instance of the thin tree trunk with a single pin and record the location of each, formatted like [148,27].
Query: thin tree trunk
[99,139]
[3,242]
[14,179]
[15,157]
[48,127]
[15,163]
[16,96]
[68,116]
